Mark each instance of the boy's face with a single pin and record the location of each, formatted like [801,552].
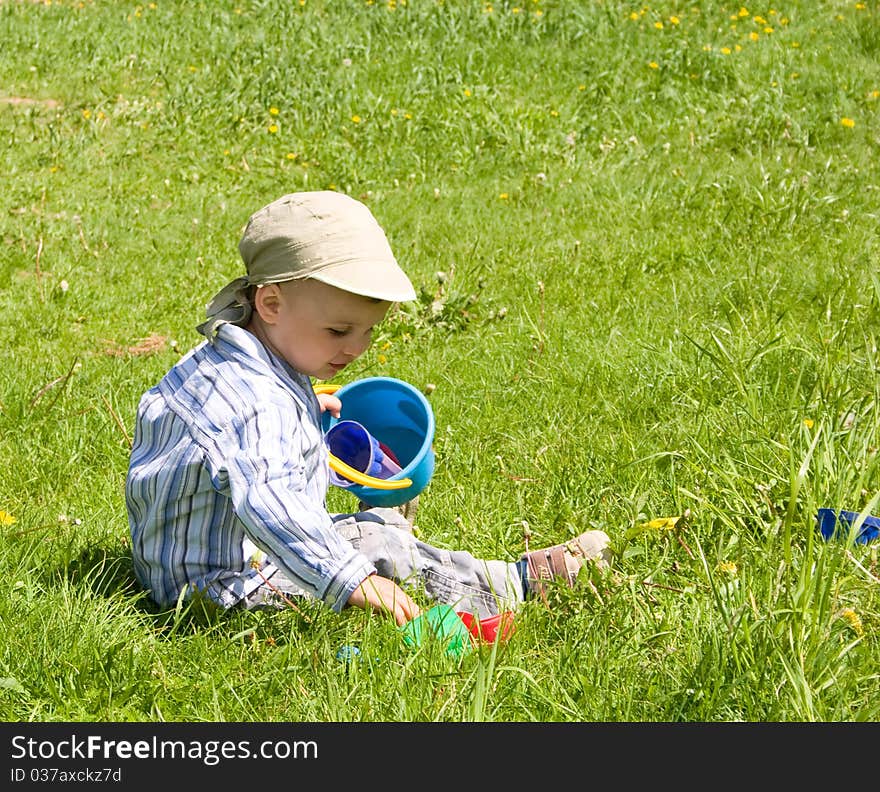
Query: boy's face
[318,329]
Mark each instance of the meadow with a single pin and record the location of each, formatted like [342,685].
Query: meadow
[645,241]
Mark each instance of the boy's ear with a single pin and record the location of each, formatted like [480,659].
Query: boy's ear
[267,302]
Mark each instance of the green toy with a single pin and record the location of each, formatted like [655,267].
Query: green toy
[445,625]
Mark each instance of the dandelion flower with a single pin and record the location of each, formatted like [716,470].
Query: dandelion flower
[87,114]
[273,129]
[849,123]
[725,50]
[658,24]
[754,36]
[853,620]
[503,197]
[290,155]
[273,111]
[355,119]
[382,359]
[654,65]
[6,518]
[808,422]
[728,568]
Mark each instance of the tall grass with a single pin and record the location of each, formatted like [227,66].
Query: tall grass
[645,243]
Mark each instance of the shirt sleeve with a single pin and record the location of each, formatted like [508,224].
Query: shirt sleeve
[269,466]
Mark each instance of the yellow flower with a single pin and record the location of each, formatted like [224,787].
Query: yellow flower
[503,196]
[658,24]
[467,91]
[382,359]
[725,50]
[754,36]
[849,123]
[273,129]
[657,525]
[290,155]
[707,47]
[273,111]
[355,119]
[808,422]
[744,12]
[6,518]
[634,16]
[875,94]
[87,113]
[654,65]
[674,20]
[727,568]
[853,620]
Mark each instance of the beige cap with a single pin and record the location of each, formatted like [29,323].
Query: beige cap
[324,235]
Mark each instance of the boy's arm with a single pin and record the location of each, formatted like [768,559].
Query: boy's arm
[279,497]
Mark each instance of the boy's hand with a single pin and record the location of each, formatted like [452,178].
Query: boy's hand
[329,403]
[384,596]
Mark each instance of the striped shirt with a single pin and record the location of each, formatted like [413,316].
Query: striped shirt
[228,478]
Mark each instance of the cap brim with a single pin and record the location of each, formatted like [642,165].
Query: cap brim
[379,279]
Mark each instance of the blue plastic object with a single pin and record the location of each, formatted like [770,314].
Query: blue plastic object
[354,445]
[399,416]
[837,523]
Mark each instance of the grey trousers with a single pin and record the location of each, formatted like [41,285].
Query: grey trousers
[448,577]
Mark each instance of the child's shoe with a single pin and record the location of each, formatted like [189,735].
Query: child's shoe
[564,561]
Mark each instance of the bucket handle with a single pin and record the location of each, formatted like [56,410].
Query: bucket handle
[353,474]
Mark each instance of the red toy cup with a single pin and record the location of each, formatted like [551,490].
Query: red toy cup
[487,630]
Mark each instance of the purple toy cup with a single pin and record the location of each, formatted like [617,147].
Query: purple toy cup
[354,445]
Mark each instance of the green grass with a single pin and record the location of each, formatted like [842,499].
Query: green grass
[648,286]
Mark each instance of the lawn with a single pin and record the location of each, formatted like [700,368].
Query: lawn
[645,241]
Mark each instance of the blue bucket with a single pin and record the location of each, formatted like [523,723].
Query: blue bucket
[398,416]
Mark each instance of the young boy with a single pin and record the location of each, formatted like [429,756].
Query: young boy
[227,483]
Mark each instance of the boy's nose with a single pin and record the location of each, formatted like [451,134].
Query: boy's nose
[356,348]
